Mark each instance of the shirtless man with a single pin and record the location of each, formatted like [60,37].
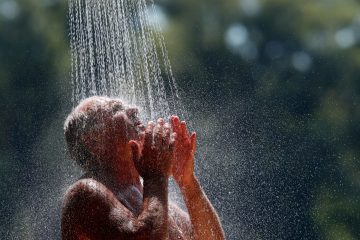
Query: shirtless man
[108,141]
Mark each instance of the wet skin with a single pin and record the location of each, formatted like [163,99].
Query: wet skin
[112,203]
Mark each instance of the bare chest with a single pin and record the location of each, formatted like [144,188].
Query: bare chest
[132,199]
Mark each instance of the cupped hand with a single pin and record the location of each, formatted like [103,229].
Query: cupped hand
[153,154]
[185,147]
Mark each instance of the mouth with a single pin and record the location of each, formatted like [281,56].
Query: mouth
[138,123]
[133,116]
[140,126]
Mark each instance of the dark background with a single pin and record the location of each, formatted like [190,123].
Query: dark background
[272,87]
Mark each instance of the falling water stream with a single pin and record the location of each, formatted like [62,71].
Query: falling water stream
[119,51]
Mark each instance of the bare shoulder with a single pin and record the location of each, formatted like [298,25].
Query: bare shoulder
[86,190]
[87,198]
[88,210]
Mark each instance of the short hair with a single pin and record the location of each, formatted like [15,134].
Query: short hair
[81,121]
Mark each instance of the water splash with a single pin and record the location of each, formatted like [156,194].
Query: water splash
[119,51]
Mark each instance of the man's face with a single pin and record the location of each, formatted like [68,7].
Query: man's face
[127,124]
[116,124]
[122,124]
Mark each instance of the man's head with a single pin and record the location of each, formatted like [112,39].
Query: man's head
[98,128]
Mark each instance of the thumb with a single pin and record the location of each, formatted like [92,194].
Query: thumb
[135,150]
[193,142]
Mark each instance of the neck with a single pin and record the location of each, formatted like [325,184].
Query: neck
[125,184]
[119,174]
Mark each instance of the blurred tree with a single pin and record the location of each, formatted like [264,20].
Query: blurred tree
[295,64]
[33,60]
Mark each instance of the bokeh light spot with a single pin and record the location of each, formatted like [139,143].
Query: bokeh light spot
[9,9]
[238,41]
[250,7]
[302,61]
[345,38]
[236,35]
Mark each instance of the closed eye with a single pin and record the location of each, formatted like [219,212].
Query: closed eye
[117,107]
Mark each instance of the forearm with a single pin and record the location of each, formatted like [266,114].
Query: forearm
[153,221]
[206,223]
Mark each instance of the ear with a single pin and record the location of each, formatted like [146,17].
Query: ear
[91,142]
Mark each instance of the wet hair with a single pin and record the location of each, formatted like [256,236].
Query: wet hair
[81,121]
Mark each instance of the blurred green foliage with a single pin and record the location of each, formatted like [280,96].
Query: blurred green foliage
[303,55]
[300,57]
[33,64]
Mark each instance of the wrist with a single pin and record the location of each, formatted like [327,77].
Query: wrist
[156,186]
[187,182]
[155,177]
[190,191]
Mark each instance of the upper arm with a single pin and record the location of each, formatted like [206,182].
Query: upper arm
[92,210]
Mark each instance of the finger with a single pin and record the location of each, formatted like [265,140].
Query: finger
[158,135]
[149,134]
[135,149]
[167,133]
[193,142]
[172,142]
[141,140]
[173,137]
[175,123]
[161,121]
[184,130]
